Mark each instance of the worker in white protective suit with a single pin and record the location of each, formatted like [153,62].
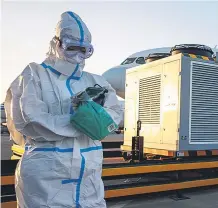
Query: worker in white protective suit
[61,167]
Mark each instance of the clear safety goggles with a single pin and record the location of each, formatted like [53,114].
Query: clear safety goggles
[71,46]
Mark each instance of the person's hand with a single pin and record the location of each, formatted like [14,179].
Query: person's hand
[78,99]
[75,102]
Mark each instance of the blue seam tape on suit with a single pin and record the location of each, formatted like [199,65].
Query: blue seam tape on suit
[57,149]
[58,73]
[51,69]
[68,80]
[50,149]
[79,182]
[79,25]
[89,149]
[70,181]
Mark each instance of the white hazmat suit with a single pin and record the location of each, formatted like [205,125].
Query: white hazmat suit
[61,167]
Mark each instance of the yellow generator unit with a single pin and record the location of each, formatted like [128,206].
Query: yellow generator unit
[175,99]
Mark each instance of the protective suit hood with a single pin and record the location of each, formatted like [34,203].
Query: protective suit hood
[70,31]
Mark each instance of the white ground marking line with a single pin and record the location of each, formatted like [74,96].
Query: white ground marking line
[121,204]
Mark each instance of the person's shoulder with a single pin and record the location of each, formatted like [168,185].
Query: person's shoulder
[89,74]
[31,69]
[98,79]
[30,72]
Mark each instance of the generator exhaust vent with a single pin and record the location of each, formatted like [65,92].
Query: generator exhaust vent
[149,99]
[196,49]
[203,123]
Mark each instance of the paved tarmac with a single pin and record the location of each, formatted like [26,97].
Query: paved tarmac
[198,199]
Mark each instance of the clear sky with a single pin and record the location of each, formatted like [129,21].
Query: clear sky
[118,30]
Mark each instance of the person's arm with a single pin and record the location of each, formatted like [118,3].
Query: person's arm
[112,105]
[30,114]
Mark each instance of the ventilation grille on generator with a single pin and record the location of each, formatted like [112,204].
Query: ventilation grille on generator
[149,100]
[204,103]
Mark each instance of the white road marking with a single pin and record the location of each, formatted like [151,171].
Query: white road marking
[121,204]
